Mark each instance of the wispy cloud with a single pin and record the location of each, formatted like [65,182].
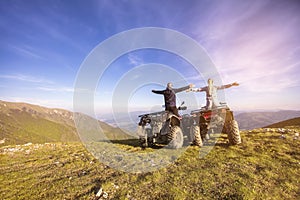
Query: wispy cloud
[56,89]
[26,78]
[40,83]
[63,89]
[26,51]
[135,60]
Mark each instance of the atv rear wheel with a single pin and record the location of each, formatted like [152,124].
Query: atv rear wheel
[233,132]
[195,135]
[175,137]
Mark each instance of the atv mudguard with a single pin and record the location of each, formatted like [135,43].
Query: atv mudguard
[174,120]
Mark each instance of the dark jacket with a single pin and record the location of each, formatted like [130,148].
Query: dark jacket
[170,95]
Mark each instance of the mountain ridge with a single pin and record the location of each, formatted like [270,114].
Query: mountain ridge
[252,120]
[23,122]
[285,123]
[247,120]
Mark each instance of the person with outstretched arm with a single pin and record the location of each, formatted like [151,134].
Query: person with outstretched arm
[211,92]
[170,96]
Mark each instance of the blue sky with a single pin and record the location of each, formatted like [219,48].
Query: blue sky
[256,43]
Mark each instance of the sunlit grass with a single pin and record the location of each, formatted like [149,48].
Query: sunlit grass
[264,166]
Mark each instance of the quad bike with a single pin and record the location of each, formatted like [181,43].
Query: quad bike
[166,128]
[218,120]
[161,128]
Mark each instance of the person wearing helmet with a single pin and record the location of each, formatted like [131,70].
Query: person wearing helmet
[211,92]
[170,96]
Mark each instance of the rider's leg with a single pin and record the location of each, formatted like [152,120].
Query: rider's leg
[209,103]
[175,111]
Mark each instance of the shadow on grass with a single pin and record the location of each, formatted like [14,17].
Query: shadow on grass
[128,142]
[223,145]
[133,142]
[136,143]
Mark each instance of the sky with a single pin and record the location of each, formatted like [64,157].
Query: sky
[43,45]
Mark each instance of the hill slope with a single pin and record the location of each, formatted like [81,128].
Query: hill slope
[251,120]
[289,122]
[21,123]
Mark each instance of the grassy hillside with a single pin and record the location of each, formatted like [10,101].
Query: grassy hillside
[19,127]
[264,166]
[22,123]
[52,114]
[286,123]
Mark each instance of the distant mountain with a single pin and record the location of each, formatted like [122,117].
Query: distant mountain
[246,120]
[252,120]
[285,123]
[22,123]
[127,121]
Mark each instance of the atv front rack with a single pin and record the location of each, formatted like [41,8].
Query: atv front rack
[204,109]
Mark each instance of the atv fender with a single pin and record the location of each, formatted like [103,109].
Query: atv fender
[174,120]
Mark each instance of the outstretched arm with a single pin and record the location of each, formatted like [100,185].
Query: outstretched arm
[228,86]
[158,91]
[176,90]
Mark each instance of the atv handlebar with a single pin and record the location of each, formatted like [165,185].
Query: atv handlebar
[182,108]
[155,113]
[162,112]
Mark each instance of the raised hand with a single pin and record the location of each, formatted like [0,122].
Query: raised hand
[189,90]
[191,85]
[235,84]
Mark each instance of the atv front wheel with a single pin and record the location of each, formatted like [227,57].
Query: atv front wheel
[142,136]
[175,137]
[233,132]
[143,142]
[195,135]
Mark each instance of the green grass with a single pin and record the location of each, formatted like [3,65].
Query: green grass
[264,166]
[20,127]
